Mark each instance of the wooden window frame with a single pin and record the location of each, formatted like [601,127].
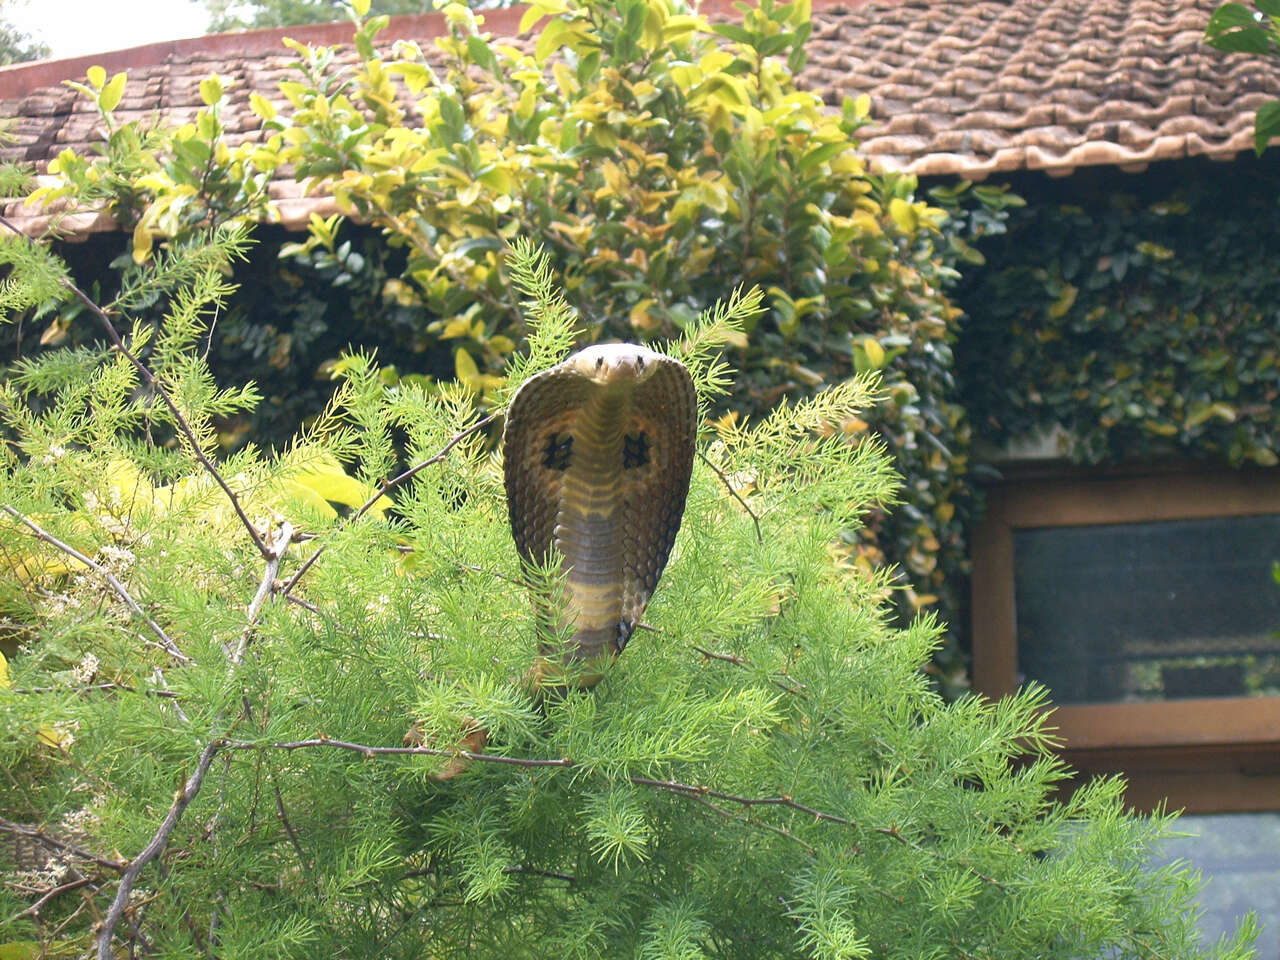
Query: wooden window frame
[1207,755]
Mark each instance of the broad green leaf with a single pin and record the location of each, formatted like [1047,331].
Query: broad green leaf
[465,367]
[112,92]
[324,477]
[261,106]
[1234,27]
[1266,125]
[904,215]
[97,77]
[211,89]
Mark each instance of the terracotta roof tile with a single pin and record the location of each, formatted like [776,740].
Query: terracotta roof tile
[957,87]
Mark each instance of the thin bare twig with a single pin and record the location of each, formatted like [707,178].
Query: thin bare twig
[726,657]
[279,546]
[34,909]
[693,790]
[152,381]
[44,839]
[111,581]
[744,662]
[734,493]
[389,485]
[756,822]
[154,848]
[493,573]
[288,826]
[173,697]
[700,794]
[527,870]
[370,751]
[166,694]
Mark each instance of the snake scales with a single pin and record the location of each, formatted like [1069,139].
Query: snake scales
[597,452]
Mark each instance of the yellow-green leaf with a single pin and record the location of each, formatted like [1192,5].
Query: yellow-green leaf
[5,682]
[641,318]
[21,950]
[465,367]
[142,242]
[262,106]
[678,26]
[1064,302]
[904,215]
[460,327]
[875,352]
[322,482]
[109,99]
[361,7]
[211,89]
[97,77]
[53,737]
[537,11]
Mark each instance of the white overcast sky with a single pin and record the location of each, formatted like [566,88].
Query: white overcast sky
[75,27]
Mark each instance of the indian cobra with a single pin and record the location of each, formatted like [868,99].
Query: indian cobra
[597,452]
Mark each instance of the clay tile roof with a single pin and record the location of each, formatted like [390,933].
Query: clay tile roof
[958,87]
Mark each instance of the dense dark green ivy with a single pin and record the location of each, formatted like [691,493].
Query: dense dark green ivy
[1136,316]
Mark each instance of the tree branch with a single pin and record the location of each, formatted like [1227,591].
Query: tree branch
[44,839]
[111,581]
[744,662]
[34,909]
[370,751]
[277,550]
[734,493]
[755,822]
[154,848]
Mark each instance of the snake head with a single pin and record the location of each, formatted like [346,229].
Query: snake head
[613,363]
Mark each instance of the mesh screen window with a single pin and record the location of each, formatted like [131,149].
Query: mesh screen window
[1150,611]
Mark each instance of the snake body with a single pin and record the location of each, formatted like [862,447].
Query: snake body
[597,453]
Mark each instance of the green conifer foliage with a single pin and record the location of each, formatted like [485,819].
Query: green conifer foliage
[202,725]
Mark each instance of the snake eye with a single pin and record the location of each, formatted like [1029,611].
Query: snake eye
[640,362]
[599,362]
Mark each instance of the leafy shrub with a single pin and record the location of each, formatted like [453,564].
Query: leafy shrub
[661,161]
[764,773]
[1140,321]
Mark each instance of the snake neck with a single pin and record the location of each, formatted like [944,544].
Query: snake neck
[589,524]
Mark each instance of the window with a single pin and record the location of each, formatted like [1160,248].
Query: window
[1147,605]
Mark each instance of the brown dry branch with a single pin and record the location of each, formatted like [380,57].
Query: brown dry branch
[266,588]
[389,485]
[700,794]
[152,381]
[53,843]
[165,694]
[153,849]
[117,587]
[371,751]
[755,822]
[734,493]
[745,663]
[35,908]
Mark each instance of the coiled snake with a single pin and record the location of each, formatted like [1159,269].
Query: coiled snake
[598,452]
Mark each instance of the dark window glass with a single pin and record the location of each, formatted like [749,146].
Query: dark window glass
[1150,611]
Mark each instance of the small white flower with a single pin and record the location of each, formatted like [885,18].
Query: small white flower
[86,669]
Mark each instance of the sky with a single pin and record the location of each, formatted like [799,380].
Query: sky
[76,27]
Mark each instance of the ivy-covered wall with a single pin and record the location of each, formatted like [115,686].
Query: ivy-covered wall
[1136,316]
